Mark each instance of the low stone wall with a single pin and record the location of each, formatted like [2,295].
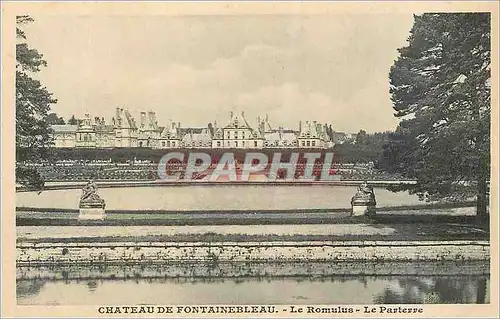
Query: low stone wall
[208,271]
[161,252]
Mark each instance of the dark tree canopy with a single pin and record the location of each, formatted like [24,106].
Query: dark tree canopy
[440,87]
[53,119]
[73,121]
[33,134]
[365,148]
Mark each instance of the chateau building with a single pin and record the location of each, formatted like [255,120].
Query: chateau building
[312,135]
[64,135]
[238,134]
[170,136]
[124,132]
[149,132]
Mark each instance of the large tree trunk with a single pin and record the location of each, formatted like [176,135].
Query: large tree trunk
[482,194]
[483,174]
[481,291]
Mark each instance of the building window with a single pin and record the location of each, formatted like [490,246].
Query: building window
[303,143]
[243,143]
[163,144]
[228,134]
[173,144]
[235,134]
[236,144]
[218,143]
[140,144]
[255,143]
[168,143]
[313,143]
[308,143]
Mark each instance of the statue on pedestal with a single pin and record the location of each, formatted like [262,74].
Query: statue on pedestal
[363,202]
[89,198]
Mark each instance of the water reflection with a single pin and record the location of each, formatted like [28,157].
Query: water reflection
[440,290]
[26,288]
[257,290]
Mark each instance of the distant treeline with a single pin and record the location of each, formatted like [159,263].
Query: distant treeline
[365,148]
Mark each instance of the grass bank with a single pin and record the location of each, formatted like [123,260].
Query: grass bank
[423,206]
[324,233]
[171,220]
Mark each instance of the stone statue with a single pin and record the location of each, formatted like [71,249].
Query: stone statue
[365,192]
[89,196]
[363,202]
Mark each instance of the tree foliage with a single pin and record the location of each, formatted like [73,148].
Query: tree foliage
[440,87]
[33,134]
[54,119]
[73,121]
[365,148]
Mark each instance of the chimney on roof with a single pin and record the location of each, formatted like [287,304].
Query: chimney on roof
[300,126]
[143,119]
[231,116]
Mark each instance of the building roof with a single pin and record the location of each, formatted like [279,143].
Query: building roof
[203,136]
[280,136]
[238,122]
[194,130]
[64,128]
[309,130]
[104,128]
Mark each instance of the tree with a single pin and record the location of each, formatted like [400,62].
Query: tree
[367,148]
[33,133]
[211,129]
[53,119]
[73,120]
[440,87]
[361,137]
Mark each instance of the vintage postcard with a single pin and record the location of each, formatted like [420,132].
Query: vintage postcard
[225,159]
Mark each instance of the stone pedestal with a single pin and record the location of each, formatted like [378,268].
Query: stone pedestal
[92,209]
[363,202]
[97,213]
[362,209]
[91,205]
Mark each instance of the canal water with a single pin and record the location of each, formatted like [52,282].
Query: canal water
[248,290]
[223,197]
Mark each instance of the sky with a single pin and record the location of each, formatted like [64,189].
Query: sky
[196,69]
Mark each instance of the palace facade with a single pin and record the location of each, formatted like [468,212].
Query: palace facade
[123,131]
